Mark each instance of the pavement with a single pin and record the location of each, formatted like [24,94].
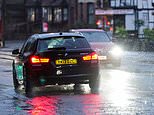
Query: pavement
[10,45]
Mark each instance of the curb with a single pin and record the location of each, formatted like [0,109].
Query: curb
[6,55]
[7,58]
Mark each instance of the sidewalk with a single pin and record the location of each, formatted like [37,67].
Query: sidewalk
[6,52]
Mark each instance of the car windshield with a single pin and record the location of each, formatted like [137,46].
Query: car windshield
[93,36]
[67,42]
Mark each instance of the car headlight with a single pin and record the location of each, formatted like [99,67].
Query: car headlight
[116,51]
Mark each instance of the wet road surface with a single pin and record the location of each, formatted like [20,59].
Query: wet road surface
[128,90]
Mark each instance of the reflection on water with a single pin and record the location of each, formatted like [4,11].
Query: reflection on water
[117,87]
[93,105]
[88,104]
[43,105]
[114,93]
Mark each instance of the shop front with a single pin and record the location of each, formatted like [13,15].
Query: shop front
[110,19]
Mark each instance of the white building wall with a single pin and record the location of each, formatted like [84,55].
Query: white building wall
[150,3]
[145,14]
[130,19]
[151,19]
[139,4]
[117,2]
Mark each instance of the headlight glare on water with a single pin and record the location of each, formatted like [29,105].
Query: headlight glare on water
[116,51]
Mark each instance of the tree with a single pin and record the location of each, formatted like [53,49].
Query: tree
[139,23]
[149,34]
[121,33]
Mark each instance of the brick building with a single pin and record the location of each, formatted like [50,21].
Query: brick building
[21,18]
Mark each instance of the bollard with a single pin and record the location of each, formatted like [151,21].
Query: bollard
[1,43]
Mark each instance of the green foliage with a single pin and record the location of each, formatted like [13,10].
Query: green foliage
[139,22]
[121,33]
[149,34]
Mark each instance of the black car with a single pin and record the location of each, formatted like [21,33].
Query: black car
[55,58]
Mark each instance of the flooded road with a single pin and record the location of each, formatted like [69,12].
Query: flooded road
[127,90]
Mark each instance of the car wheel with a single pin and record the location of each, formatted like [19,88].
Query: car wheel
[94,84]
[28,85]
[76,87]
[29,88]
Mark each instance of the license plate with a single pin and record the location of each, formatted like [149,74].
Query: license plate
[66,61]
[102,57]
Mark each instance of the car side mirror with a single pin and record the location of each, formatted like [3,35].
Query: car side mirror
[15,52]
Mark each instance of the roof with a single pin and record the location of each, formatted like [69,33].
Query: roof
[89,30]
[60,34]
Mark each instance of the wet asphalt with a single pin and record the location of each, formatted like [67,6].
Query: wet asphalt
[126,90]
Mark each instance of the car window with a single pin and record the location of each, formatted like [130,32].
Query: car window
[25,46]
[96,36]
[29,45]
[32,45]
[68,42]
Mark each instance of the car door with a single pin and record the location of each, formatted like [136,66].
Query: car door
[22,58]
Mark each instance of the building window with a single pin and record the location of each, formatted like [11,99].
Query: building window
[49,14]
[144,4]
[81,12]
[99,4]
[90,13]
[145,19]
[106,4]
[133,2]
[123,3]
[37,15]
[113,3]
[65,14]
[31,14]
[57,15]
[45,14]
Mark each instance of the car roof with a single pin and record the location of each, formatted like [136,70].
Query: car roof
[60,34]
[87,30]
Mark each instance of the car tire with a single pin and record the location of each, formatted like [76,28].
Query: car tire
[28,84]
[76,87]
[29,88]
[94,84]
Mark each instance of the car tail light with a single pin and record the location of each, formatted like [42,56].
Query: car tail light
[37,59]
[92,56]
